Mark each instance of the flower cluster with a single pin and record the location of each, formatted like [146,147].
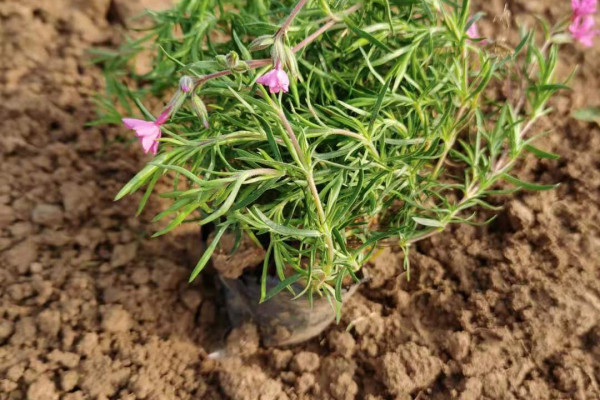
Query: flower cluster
[582,25]
[149,132]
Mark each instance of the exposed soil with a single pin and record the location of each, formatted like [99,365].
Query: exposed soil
[92,308]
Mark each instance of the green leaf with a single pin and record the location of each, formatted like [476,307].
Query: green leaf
[338,285]
[377,107]
[549,87]
[226,205]
[271,139]
[367,36]
[522,44]
[178,220]
[541,153]
[590,114]
[527,185]
[180,170]
[339,239]
[141,177]
[208,252]
[149,190]
[254,195]
[263,278]
[429,222]
[285,230]
[282,285]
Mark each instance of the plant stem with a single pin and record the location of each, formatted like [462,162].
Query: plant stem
[253,64]
[498,168]
[306,41]
[312,187]
[500,164]
[534,64]
[310,38]
[286,24]
[471,192]
[448,145]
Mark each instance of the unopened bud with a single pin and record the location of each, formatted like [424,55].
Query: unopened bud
[261,43]
[232,62]
[172,107]
[232,59]
[222,60]
[291,62]
[176,102]
[241,66]
[200,110]
[186,83]
[278,53]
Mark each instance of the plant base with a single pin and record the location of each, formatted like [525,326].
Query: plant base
[281,320]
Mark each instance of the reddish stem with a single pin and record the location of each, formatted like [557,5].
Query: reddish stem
[286,24]
[253,64]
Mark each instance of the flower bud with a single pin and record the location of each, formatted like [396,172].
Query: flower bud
[200,110]
[232,59]
[284,56]
[174,105]
[278,53]
[261,43]
[291,62]
[232,62]
[186,83]
[222,61]
[241,66]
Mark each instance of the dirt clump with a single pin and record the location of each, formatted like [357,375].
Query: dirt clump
[240,381]
[409,368]
[305,361]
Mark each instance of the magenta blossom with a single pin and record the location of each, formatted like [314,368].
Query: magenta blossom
[147,131]
[276,79]
[186,84]
[582,29]
[583,7]
[473,33]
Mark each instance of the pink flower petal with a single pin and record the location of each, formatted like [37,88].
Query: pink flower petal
[151,131]
[154,147]
[473,31]
[583,7]
[147,143]
[147,131]
[582,29]
[277,80]
[132,123]
[268,79]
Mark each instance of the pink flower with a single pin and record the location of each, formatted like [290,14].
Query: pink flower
[473,31]
[582,29]
[583,7]
[147,131]
[276,79]
[186,84]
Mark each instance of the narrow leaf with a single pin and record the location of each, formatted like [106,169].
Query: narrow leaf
[208,253]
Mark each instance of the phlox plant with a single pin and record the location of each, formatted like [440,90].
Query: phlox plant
[324,129]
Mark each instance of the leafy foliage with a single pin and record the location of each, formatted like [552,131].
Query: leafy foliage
[393,129]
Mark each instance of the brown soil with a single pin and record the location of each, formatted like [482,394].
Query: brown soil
[92,308]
